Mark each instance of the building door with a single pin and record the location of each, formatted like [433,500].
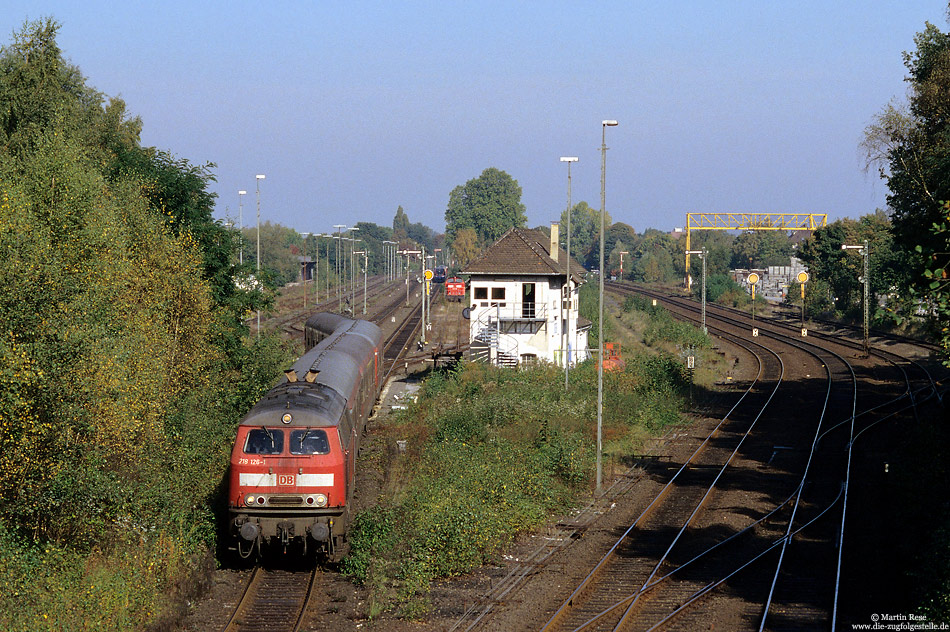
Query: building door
[527,300]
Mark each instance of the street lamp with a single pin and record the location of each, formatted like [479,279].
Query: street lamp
[241,195]
[701,253]
[329,236]
[390,259]
[303,273]
[866,281]
[565,345]
[600,317]
[257,279]
[339,241]
[353,241]
[365,265]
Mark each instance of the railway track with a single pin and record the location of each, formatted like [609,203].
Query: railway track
[815,574]
[273,601]
[772,564]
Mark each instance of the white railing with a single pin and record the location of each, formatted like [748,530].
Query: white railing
[508,310]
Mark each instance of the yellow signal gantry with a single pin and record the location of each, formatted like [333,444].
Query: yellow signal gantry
[750,221]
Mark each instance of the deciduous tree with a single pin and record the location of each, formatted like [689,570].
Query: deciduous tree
[489,204]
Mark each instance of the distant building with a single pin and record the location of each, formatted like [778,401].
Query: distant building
[524,303]
[774,280]
[307,266]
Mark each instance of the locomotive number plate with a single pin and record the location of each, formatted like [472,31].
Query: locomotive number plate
[285,479]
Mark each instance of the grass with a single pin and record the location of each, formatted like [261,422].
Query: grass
[494,453]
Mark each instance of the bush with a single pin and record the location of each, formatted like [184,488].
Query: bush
[505,449]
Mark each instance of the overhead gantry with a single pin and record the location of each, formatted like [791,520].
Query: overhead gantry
[749,221]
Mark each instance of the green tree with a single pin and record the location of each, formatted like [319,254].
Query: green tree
[400,225]
[656,258]
[585,229]
[761,248]
[909,145]
[842,270]
[489,204]
[465,247]
[719,246]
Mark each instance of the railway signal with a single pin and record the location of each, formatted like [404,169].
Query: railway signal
[865,281]
[802,279]
[753,279]
[701,253]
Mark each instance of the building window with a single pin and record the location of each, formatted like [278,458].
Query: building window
[498,293]
[480,293]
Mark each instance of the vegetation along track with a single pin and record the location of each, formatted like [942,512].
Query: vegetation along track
[678,551]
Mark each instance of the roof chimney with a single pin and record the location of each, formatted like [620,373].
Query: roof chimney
[555,240]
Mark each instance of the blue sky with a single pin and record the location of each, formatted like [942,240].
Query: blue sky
[354,108]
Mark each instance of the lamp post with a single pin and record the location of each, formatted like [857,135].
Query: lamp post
[303,273]
[387,270]
[353,241]
[241,195]
[365,265]
[701,253]
[354,272]
[257,279]
[339,241]
[316,268]
[866,281]
[566,298]
[327,245]
[600,312]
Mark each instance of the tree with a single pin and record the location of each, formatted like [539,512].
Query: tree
[761,248]
[909,145]
[373,236]
[719,246]
[489,204]
[585,227]
[400,225]
[654,258]
[465,247]
[841,270]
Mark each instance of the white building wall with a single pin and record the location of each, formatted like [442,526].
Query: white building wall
[503,296]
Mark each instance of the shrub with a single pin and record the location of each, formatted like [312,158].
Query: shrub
[508,448]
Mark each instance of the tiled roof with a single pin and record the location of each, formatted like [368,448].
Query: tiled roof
[523,251]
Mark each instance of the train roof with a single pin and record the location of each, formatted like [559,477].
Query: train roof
[324,378]
[308,405]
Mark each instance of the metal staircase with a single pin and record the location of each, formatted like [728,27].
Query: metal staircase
[487,339]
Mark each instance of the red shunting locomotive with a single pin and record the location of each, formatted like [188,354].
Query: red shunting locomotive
[455,289]
[293,464]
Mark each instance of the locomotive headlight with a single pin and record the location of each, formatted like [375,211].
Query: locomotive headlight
[320,500]
[249,500]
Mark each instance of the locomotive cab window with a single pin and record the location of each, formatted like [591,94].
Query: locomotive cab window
[264,441]
[309,441]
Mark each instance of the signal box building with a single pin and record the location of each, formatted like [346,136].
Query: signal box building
[523,303]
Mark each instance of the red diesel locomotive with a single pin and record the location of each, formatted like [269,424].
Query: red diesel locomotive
[293,463]
[455,289]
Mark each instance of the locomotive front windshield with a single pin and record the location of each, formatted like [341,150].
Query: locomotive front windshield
[264,441]
[309,441]
[271,441]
